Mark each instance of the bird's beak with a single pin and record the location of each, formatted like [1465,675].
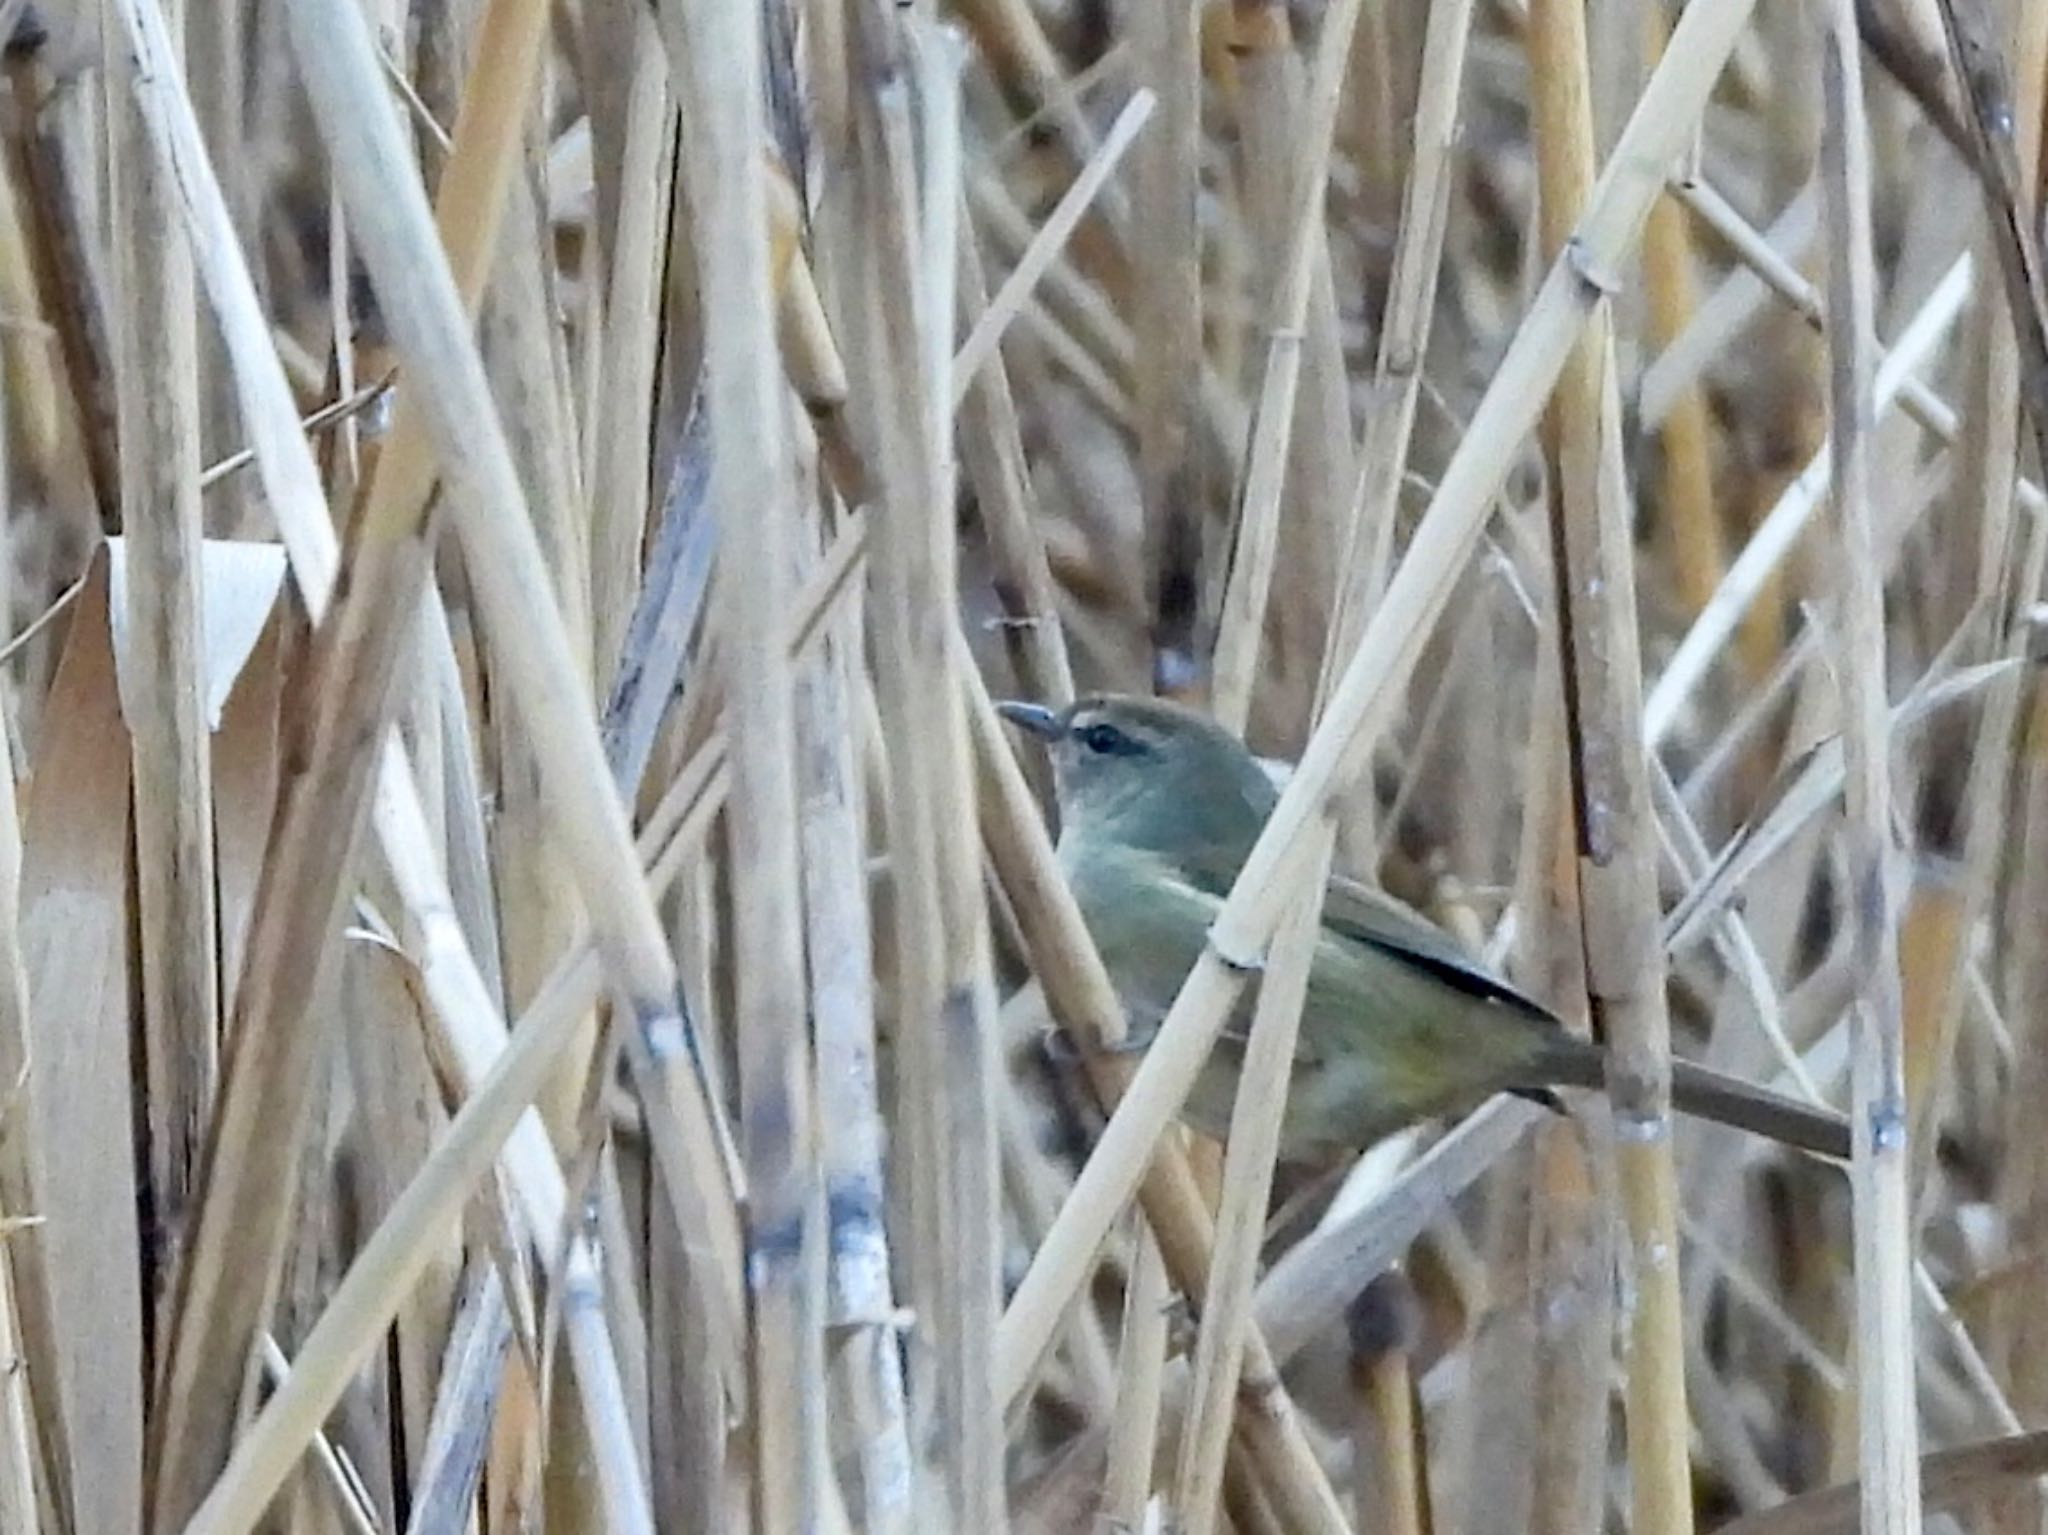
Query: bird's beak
[1034,718]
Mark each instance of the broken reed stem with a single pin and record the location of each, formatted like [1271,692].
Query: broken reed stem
[1885,1362]
[1616,836]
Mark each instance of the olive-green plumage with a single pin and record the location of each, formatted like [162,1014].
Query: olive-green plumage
[1159,808]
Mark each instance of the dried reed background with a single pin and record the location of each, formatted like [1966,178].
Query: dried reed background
[538,1017]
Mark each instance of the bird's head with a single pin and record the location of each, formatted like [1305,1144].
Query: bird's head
[1150,774]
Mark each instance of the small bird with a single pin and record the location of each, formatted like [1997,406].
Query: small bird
[1159,808]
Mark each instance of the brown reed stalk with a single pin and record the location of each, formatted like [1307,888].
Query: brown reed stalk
[31,1417]
[746,398]
[2009,562]
[902,361]
[245,1193]
[1262,1090]
[1166,260]
[1615,834]
[385,1267]
[1685,486]
[1243,621]
[1141,1359]
[1888,1418]
[157,393]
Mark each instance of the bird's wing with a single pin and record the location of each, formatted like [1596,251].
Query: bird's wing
[1370,916]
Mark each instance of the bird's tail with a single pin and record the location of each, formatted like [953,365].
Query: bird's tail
[1707,1094]
[1742,1105]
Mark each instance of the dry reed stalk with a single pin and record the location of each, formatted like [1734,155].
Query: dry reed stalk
[1269,108]
[1685,487]
[1948,1480]
[31,1417]
[1792,428]
[1761,257]
[1615,833]
[464,1409]
[1166,262]
[965,1029]
[245,1197]
[291,484]
[362,1304]
[1746,580]
[388,1262]
[524,625]
[1733,304]
[2004,577]
[1242,625]
[157,393]
[1888,1422]
[1063,533]
[310,538]
[746,399]
[72,924]
[1396,384]
[2015,1323]
[1141,1358]
[619,484]
[906,303]
[1570,1240]
[19,1505]
[1262,1090]
[867,1360]
[992,452]
[59,272]
[1383,1326]
[1047,244]
[1247,1181]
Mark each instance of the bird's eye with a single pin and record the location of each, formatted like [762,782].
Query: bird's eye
[1107,741]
